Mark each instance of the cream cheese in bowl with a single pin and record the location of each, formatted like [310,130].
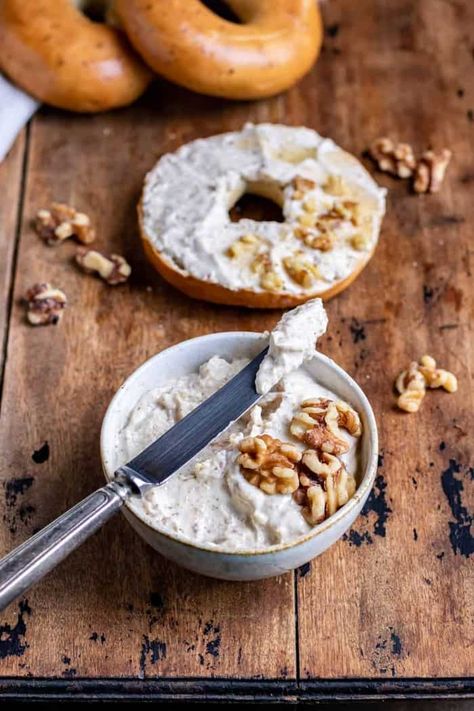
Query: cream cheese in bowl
[224,514]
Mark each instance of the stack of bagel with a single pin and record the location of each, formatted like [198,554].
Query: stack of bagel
[60,53]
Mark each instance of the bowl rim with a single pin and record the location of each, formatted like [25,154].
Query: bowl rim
[362,491]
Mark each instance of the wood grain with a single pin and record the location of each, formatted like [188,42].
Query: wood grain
[393,599]
[11,175]
[390,600]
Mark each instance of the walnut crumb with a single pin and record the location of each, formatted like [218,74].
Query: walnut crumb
[113,270]
[61,222]
[45,304]
[247,244]
[411,384]
[430,171]
[301,270]
[269,464]
[336,185]
[269,279]
[301,186]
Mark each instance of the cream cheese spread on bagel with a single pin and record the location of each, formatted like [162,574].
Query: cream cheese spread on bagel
[332,212]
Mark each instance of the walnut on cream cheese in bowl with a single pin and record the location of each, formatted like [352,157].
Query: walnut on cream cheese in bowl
[279,485]
[332,210]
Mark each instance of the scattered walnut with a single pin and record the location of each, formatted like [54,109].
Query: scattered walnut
[411,384]
[45,304]
[301,270]
[114,269]
[319,421]
[269,464]
[437,377]
[62,221]
[395,158]
[301,186]
[325,486]
[246,244]
[430,171]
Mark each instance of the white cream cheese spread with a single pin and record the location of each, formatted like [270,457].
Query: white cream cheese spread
[292,342]
[331,205]
[209,501]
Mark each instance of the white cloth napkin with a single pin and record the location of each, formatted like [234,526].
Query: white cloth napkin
[16,109]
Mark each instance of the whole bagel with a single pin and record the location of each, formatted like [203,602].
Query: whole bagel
[58,55]
[273,47]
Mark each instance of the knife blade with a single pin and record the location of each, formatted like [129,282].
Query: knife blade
[189,436]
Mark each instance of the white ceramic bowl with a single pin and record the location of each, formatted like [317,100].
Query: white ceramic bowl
[186,357]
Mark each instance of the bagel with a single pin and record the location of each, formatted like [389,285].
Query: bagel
[61,57]
[276,44]
[332,212]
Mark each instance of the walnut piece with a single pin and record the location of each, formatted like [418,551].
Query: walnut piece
[269,464]
[395,158]
[322,242]
[336,185]
[61,222]
[45,304]
[301,270]
[325,486]
[114,269]
[318,423]
[269,279]
[301,186]
[430,171]
[247,244]
[411,383]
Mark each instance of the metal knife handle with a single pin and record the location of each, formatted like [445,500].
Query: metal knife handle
[28,563]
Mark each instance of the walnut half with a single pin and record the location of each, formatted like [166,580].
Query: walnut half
[45,304]
[114,269]
[319,421]
[395,158]
[269,464]
[325,486]
[61,222]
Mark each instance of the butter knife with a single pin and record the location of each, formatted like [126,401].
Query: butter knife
[28,563]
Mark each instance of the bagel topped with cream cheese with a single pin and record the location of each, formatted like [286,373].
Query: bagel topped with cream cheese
[332,212]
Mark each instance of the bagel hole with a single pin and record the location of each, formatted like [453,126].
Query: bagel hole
[256,207]
[221,9]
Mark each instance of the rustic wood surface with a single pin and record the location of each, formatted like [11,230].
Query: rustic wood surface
[392,599]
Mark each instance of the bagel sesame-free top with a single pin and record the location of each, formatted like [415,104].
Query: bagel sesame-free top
[60,56]
[273,46]
[332,214]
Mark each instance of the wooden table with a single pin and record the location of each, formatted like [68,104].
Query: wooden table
[388,610]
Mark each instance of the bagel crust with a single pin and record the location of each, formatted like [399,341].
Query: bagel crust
[59,56]
[331,205]
[276,43]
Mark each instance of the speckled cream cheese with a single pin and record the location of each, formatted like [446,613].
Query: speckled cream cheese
[188,194]
[292,342]
[209,501]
